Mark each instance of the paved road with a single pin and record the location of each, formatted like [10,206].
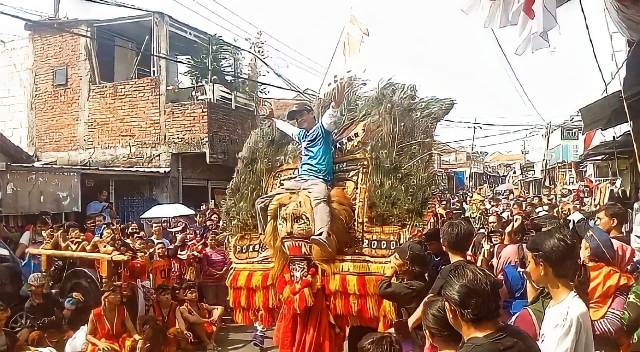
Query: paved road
[238,338]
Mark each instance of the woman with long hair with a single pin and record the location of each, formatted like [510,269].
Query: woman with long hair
[110,328]
[437,327]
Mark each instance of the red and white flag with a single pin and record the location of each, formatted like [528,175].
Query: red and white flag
[591,139]
[536,19]
[494,13]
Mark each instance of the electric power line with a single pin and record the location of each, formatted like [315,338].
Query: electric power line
[299,64]
[326,72]
[27,20]
[505,142]
[615,74]
[279,75]
[491,135]
[492,124]
[29,11]
[515,75]
[286,80]
[593,48]
[269,35]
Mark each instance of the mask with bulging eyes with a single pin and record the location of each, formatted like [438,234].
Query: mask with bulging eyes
[295,220]
[295,227]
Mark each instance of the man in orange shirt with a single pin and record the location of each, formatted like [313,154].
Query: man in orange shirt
[160,266]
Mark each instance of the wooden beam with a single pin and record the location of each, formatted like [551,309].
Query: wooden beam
[77,255]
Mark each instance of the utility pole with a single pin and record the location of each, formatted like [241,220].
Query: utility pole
[56,9]
[473,147]
[545,161]
[473,139]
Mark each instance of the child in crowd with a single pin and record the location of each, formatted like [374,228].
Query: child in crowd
[553,263]
[437,327]
[472,302]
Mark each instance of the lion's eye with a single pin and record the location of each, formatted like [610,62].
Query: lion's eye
[301,220]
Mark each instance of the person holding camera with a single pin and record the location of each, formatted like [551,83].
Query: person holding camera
[102,206]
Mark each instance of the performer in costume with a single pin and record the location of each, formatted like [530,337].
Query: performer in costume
[110,327]
[199,319]
[315,174]
[164,310]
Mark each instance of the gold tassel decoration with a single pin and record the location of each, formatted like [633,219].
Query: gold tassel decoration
[352,284]
[242,278]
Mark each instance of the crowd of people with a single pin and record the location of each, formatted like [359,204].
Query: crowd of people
[173,282]
[531,275]
[505,274]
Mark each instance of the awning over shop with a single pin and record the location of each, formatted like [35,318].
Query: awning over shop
[623,145]
[609,111]
[142,171]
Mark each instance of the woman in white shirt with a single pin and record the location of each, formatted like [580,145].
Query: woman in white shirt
[553,262]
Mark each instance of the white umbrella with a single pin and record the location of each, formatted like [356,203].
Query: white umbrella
[167,211]
[505,187]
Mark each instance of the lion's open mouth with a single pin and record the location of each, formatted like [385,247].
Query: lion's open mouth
[296,247]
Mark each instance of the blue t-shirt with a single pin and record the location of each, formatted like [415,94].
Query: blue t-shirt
[316,154]
[97,207]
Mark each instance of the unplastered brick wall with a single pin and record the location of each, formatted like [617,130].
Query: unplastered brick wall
[56,109]
[228,130]
[124,114]
[187,126]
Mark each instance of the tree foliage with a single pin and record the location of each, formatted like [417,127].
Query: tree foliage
[225,65]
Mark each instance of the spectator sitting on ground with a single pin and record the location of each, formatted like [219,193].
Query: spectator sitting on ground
[164,310]
[8,340]
[199,319]
[110,328]
[472,303]
[46,312]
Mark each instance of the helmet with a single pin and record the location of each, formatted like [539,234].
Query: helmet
[37,279]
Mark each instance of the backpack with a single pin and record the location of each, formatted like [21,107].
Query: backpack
[516,284]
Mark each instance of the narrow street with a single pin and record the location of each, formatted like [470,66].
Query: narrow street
[238,338]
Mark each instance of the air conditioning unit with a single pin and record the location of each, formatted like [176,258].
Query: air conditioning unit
[3,166]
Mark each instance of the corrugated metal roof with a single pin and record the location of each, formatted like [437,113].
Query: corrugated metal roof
[94,169]
[12,151]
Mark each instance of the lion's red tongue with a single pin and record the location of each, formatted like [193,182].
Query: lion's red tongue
[297,248]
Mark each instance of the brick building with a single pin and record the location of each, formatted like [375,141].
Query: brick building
[111,104]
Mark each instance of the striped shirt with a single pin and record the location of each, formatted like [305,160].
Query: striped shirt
[214,260]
